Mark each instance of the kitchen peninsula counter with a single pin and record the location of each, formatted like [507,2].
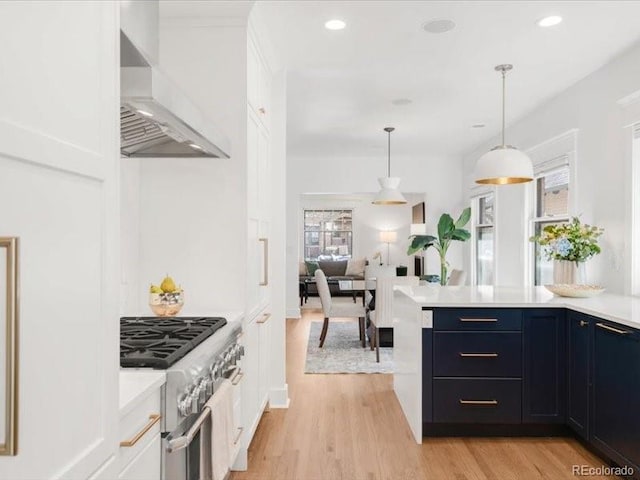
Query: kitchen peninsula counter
[519,361]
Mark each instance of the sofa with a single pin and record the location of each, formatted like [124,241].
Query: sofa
[335,270]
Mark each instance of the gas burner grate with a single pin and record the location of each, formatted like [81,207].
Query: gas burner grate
[159,342]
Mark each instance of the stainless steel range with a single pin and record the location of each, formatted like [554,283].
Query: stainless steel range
[197,353]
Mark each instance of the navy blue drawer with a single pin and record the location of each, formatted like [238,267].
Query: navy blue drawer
[477,319]
[477,354]
[477,400]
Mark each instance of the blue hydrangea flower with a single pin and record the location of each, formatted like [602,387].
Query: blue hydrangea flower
[563,247]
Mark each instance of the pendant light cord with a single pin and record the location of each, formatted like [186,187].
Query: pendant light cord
[504,101]
[389,155]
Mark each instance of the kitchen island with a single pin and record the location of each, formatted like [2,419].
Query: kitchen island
[520,361]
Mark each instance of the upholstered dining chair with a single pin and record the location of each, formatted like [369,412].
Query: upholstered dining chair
[457,277]
[340,310]
[382,316]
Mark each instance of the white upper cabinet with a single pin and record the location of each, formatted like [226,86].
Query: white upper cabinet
[258,83]
[59,154]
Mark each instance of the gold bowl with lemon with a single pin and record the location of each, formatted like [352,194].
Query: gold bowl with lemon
[167,299]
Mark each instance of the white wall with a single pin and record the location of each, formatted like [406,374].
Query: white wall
[602,183]
[192,212]
[438,177]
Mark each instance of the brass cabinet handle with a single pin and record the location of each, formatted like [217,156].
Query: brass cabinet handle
[265,245]
[240,430]
[583,323]
[264,318]
[479,355]
[153,419]
[262,110]
[479,402]
[478,319]
[237,378]
[613,329]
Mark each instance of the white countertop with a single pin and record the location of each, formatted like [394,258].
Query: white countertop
[136,383]
[139,382]
[617,308]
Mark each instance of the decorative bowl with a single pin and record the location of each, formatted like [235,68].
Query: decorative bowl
[574,290]
[166,304]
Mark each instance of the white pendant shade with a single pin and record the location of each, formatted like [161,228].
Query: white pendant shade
[503,166]
[389,193]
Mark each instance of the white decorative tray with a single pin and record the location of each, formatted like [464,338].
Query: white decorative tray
[574,290]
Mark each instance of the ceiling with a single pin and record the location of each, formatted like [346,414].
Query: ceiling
[341,84]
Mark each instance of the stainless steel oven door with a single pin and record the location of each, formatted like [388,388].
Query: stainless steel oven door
[182,449]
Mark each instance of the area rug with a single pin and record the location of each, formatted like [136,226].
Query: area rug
[343,352]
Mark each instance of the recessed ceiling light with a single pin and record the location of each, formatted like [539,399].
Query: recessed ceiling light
[478,125]
[549,21]
[197,147]
[440,25]
[145,113]
[335,24]
[402,101]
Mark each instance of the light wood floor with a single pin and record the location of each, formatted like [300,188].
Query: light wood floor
[351,427]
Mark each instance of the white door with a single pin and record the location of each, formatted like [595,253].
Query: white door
[58,194]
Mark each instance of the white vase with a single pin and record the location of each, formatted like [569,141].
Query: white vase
[567,272]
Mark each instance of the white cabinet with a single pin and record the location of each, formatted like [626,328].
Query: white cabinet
[59,136]
[139,456]
[258,83]
[146,465]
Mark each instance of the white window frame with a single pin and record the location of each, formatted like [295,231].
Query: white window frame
[535,220]
[475,225]
[548,156]
[635,210]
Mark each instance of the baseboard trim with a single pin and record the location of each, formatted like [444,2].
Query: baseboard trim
[279,397]
[293,313]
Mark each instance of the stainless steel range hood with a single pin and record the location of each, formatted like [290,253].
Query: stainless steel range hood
[156,118]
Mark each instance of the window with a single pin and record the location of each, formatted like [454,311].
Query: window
[328,234]
[484,239]
[635,219]
[551,208]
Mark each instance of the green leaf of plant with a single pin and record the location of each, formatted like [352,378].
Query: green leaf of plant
[460,234]
[420,242]
[464,218]
[445,226]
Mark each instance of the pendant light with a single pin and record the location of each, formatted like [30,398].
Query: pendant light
[389,193]
[504,164]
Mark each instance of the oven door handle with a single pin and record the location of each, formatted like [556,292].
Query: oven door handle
[183,441]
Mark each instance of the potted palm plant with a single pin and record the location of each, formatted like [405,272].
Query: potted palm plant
[448,231]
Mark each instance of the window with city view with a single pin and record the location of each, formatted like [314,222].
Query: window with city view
[328,234]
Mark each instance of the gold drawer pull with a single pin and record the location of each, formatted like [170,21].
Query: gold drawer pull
[237,378]
[264,318]
[153,419]
[487,320]
[612,329]
[479,402]
[240,430]
[479,355]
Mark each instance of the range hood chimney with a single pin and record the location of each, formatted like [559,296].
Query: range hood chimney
[156,118]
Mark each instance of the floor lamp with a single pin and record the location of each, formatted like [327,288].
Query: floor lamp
[388,237]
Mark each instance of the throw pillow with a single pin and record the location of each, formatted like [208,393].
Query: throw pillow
[302,269]
[334,269]
[311,267]
[355,267]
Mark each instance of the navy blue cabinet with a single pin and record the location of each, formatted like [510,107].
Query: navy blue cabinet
[579,327]
[544,373]
[615,421]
